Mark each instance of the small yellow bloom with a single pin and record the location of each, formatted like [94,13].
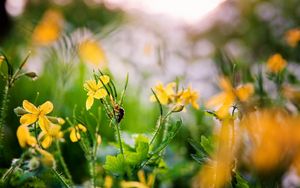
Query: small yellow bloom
[75,132]
[227,98]
[243,92]
[2,58]
[142,183]
[292,37]
[164,94]
[36,114]
[49,135]
[189,96]
[49,28]
[108,182]
[276,63]
[91,52]
[24,137]
[95,90]
[47,158]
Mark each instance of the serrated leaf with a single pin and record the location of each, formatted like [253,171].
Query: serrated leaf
[136,158]
[115,165]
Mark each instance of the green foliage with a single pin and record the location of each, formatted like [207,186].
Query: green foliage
[203,149]
[140,154]
[115,165]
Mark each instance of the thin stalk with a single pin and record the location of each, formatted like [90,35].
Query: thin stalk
[60,178]
[92,167]
[160,122]
[119,138]
[3,115]
[62,162]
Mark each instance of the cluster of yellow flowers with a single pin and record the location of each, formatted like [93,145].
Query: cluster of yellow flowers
[170,95]
[50,128]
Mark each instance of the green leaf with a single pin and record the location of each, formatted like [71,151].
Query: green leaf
[207,144]
[115,165]
[240,181]
[171,132]
[141,153]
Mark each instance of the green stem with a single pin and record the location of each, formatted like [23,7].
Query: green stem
[61,178]
[92,167]
[62,162]
[119,138]
[3,116]
[160,122]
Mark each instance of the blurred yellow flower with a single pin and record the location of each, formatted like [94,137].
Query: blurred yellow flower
[292,37]
[47,137]
[272,135]
[75,132]
[142,183]
[47,158]
[190,96]
[166,94]
[217,172]
[229,96]
[108,182]
[36,114]
[2,58]
[276,63]
[24,137]
[91,52]
[49,28]
[95,90]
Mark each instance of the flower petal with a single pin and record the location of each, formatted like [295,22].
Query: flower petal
[89,102]
[81,127]
[105,79]
[46,108]
[44,123]
[74,136]
[24,136]
[100,93]
[46,143]
[28,119]
[29,107]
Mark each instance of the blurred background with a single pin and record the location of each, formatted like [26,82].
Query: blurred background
[152,40]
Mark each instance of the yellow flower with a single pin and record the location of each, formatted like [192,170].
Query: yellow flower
[108,182]
[95,90]
[49,135]
[91,52]
[47,158]
[142,183]
[217,172]
[270,132]
[164,94]
[292,37]
[189,96]
[36,114]
[75,132]
[49,28]
[2,58]
[24,137]
[226,99]
[276,63]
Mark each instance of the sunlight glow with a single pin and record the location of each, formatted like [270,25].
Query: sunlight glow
[185,10]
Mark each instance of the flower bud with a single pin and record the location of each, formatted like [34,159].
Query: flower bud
[178,108]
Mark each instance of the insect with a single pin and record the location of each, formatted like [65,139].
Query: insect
[118,111]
